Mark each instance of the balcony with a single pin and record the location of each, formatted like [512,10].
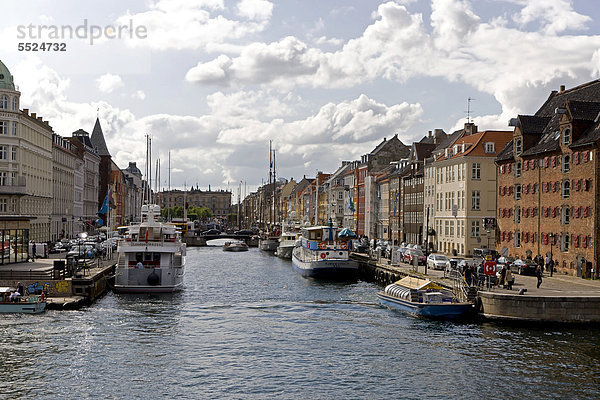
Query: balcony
[17,186]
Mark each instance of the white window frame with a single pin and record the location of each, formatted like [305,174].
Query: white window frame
[565,189]
[518,167]
[564,242]
[566,166]
[475,200]
[517,238]
[490,147]
[476,171]
[3,152]
[518,146]
[517,215]
[15,104]
[517,192]
[565,215]
[4,102]
[566,136]
[475,228]
[3,127]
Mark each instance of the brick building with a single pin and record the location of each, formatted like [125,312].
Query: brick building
[548,182]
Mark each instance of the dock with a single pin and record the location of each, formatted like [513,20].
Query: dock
[559,299]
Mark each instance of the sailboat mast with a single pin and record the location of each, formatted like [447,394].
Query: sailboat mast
[274,188]
[270,185]
[169,174]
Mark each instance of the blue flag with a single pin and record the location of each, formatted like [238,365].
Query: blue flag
[351,203]
[104,208]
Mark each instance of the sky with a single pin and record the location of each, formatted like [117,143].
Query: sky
[213,81]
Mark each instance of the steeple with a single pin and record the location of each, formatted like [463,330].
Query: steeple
[98,140]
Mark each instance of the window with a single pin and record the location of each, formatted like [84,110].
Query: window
[518,169]
[4,102]
[340,195]
[475,200]
[451,228]
[14,129]
[566,136]
[446,228]
[3,152]
[474,228]
[566,190]
[3,128]
[518,146]
[3,205]
[15,104]
[517,215]
[517,239]
[462,195]
[565,215]
[565,164]
[476,171]
[489,147]
[3,178]
[564,242]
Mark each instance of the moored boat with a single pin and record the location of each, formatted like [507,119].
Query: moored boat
[235,245]
[151,259]
[287,242]
[424,298]
[322,254]
[10,302]
[268,243]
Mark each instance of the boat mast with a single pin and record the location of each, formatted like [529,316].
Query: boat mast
[270,185]
[274,189]
[169,174]
[317,199]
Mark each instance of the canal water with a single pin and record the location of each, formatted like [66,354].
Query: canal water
[248,327]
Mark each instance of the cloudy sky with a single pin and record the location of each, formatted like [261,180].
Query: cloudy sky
[212,81]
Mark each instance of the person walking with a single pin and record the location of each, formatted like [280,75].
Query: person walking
[468,275]
[508,279]
[538,273]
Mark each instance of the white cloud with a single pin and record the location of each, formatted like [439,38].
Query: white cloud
[182,24]
[555,16]
[107,83]
[139,94]
[255,9]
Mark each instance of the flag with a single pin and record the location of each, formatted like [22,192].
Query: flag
[104,208]
[146,238]
[351,203]
[396,202]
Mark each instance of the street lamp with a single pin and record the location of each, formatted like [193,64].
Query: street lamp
[551,264]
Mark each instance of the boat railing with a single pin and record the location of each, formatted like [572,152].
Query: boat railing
[462,291]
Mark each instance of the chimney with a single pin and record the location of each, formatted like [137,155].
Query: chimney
[429,135]
[39,119]
[26,111]
[33,115]
[562,88]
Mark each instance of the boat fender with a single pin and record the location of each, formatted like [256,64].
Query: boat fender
[322,255]
[322,245]
[153,279]
[344,245]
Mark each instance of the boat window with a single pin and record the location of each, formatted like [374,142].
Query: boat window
[139,257]
[156,257]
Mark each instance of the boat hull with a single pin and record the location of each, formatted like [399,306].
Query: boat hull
[284,252]
[23,307]
[429,310]
[235,248]
[148,289]
[268,244]
[325,269]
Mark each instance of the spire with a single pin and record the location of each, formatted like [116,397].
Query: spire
[98,140]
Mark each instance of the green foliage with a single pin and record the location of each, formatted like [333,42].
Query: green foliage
[193,213]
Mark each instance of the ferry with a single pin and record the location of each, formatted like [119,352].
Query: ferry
[151,258]
[424,298]
[12,302]
[322,254]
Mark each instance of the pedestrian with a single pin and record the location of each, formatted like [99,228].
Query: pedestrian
[502,275]
[508,279]
[538,273]
[547,262]
[20,288]
[469,275]
[33,250]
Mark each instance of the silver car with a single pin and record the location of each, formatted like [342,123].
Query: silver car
[437,261]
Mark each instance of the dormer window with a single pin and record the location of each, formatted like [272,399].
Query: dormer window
[518,146]
[566,136]
[489,147]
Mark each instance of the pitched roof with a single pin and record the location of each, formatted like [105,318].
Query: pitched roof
[422,150]
[98,140]
[583,110]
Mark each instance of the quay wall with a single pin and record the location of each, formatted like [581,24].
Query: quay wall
[569,309]
[54,287]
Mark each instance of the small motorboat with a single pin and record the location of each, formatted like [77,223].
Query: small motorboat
[237,245]
[424,298]
[12,302]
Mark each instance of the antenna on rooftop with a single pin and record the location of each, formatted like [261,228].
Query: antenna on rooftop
[469,99]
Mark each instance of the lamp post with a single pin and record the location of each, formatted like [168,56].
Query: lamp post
[551,264]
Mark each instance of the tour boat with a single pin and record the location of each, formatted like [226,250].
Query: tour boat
[287,242]
[235,245]
[20,304]
[151,258]
[424,298]
[321,254]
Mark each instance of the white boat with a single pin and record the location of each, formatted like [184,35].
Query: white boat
[424,298]
[235,245]
[151,258]
[322,254]
[268,243]
[287,242]
[9,303]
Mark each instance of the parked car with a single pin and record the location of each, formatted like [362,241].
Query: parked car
[437,261]
[245,232]
[410,254]
[212,232]
[82,251]
[481,253]
[58,248]
[521,267]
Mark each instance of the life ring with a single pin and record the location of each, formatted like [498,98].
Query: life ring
[323,255]
[322,245]
[344,245]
